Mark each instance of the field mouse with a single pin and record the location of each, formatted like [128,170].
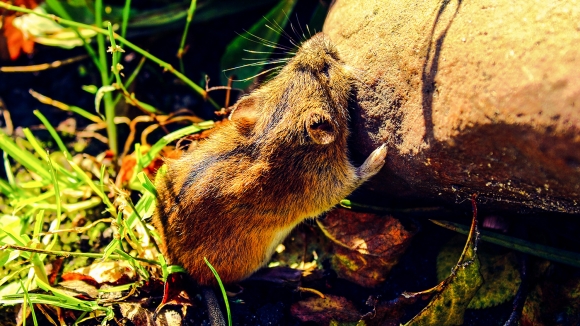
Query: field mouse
[281,159]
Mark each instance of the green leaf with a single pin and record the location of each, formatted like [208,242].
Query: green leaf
[453,295]
[269,36]
[499,270]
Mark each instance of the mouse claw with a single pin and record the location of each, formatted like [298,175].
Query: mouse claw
[373,163]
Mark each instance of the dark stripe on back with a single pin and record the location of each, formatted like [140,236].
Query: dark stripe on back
[200,169]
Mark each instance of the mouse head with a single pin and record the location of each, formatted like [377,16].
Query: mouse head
[307,103]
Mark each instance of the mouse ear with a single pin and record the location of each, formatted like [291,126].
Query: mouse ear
[245,114]
[320,128]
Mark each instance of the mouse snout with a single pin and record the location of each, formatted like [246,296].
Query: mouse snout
[316,53]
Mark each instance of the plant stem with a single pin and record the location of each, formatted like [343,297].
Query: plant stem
[180,52]
[104,70]
[126,12]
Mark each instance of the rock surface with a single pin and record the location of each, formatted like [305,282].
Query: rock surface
[471,96]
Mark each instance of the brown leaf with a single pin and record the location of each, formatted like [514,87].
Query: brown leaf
[110,272]
[174,291]
[367,245]
[389,313]
[74,276]
[80,289]
[324,310]
[140,316]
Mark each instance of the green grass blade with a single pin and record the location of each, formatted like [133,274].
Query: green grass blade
[54,134]
[43,155]
[23,157]
[27,301]
[130,80]
[126,14]
[534,249]
[146,183]
[94,187]
[105,81]
[58,205]
[8,169]
[38,226]
[221,285]
[6,189]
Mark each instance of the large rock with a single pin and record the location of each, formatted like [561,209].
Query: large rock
[472,97]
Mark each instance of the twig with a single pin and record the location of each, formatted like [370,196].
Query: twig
[44,66]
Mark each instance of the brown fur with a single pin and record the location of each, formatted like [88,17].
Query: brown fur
[282,159]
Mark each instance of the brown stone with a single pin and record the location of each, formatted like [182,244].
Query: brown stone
[471,96]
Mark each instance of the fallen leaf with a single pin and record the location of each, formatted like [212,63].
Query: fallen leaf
[174,291]
[325,310]
[366,246]
[140,316]
[110,272]
[80,289]
[389,313]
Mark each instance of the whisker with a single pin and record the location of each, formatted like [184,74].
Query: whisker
[264,41]
[308,29]
[260,74]
[283,31]
[266,62]
[259,40]
[255,64]
[300,26]
[280,31]
[271,53]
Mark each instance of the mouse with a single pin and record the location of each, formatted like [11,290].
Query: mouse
[282,158]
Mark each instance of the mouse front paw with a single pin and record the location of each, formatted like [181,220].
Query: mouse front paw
[373,163]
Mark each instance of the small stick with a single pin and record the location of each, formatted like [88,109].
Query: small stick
[44,66]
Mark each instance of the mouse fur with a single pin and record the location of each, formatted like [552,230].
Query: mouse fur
[281,159]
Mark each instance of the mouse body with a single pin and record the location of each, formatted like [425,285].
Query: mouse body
[281,159]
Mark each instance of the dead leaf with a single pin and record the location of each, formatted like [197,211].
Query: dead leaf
[389,313]
[367,245]
[325,310]
[109,272]
[174,291]
[140,316]
[80,289]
